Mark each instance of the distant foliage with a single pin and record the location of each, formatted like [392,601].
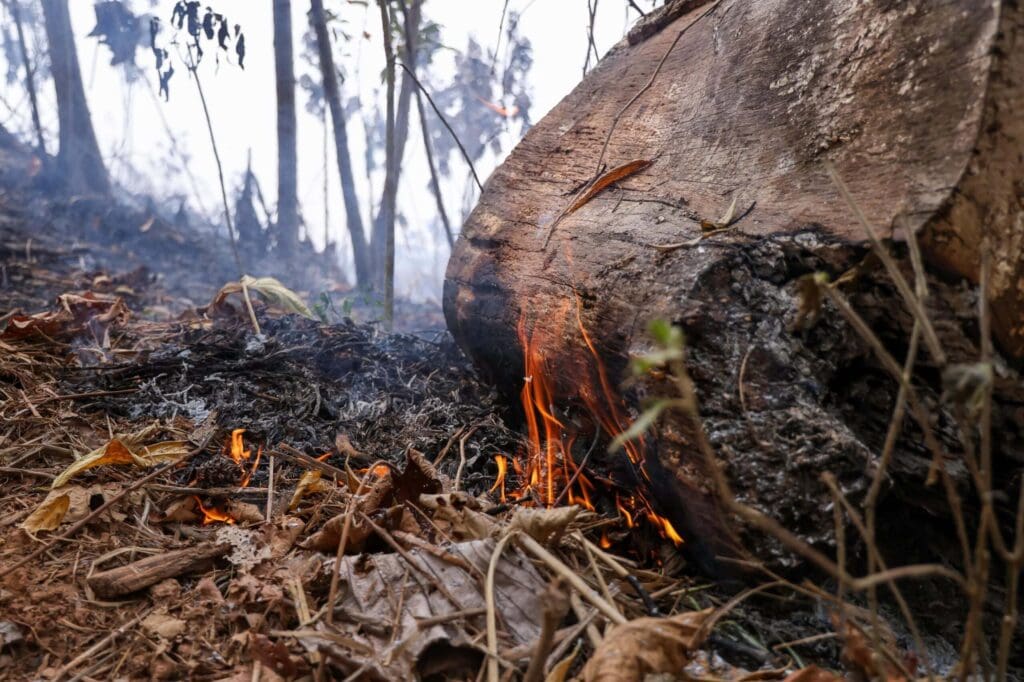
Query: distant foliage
[485,96]
[210,27]
[119,29]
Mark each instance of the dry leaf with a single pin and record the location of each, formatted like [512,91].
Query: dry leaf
[611,177]
[545,525]
[117,452]
[270,289]
[74,314]
[460,511]
[646,646]
[309,484]
[163,625]
[48,515]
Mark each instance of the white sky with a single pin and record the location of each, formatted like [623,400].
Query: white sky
[243,106]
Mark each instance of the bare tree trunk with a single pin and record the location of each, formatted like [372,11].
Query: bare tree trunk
[30,79]
[360,251]
[79,162]
[287,157]
[387,204]
[384,224]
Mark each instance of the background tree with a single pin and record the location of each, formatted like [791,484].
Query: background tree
[384,225]
[13,6]
[79,163]
[332,93]
[287,159]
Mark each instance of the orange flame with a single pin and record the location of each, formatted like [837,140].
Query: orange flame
[212,514]
[547,470]
[499,481]
[237,449]
[239,455]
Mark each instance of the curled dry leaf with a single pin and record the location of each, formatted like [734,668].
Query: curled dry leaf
[461,512]
[545,525]
[309,484]
[117,452]
[75,313]
[48,515]
[275,293]
[646,646]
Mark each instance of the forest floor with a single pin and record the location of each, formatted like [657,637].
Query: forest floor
[177,489]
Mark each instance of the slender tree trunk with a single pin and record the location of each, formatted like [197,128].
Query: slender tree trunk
[360,251]
[385,221]
[30,77]
[287,157]
[79,162]
[387,207]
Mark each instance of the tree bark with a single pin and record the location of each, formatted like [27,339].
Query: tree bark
[917,106]
[354,222]
[384,225]
[79,163]
[287,156]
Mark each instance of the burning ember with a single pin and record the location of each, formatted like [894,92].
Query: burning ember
[546,470]
[212,514]
[237,452]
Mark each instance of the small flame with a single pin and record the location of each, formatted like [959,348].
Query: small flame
[239,455]
[546,470]
[212,514]
[237,449]
[499,482]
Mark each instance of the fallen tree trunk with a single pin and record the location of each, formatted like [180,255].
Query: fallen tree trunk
[736,103]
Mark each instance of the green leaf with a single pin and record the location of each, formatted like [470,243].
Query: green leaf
[642,424]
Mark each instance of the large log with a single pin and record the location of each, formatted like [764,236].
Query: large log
[917,104]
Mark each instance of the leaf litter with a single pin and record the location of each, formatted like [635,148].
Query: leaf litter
[372,565]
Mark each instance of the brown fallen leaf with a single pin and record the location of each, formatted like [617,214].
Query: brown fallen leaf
[117,452]
[611,177]
[47,515]
[646,646]
[309,484]
[275,293]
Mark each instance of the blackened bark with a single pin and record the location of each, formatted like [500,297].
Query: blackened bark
[287,156]
[79,163]
[360,251]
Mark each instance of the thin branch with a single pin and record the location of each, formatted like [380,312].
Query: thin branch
[444,121]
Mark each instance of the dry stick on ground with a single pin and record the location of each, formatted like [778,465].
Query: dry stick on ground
[193,68]
[555,607]
[99,510]
[332,595]
[492,624]
[105,641]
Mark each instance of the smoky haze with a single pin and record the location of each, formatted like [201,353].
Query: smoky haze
[141,158]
